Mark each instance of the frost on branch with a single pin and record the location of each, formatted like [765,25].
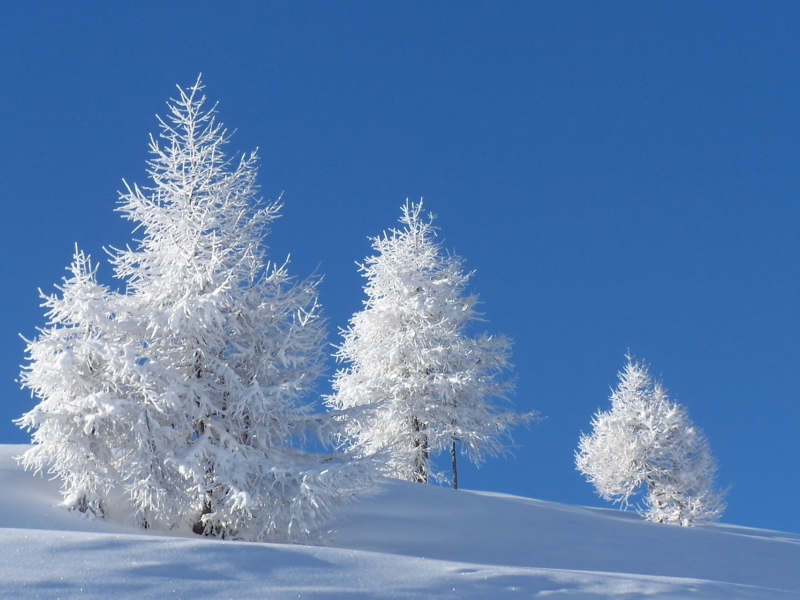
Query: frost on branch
[186,391]
[77,368]
[647,444]
[416,382]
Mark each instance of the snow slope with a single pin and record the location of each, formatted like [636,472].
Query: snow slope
[406,541]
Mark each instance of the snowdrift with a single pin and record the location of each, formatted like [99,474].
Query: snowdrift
[406,541]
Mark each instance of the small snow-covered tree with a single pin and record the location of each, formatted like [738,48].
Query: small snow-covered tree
[74,367]
[647,444]
[417,383]
[219,345]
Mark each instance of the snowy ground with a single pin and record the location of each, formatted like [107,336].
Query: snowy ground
[407,541]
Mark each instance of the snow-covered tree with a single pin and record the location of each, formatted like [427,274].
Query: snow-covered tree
[417,383]
[77,367]
[647,444]
[213,349]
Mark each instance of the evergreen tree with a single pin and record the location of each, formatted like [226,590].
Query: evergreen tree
[220,347]
[73,367]
[417,383]
[647,444]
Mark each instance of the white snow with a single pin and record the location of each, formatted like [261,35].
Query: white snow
[406,541]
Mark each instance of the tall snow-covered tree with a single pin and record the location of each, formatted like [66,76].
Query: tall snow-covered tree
[646,444]
[417,383]
[220,347]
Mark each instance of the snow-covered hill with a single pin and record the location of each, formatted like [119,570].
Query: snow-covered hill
[406,541]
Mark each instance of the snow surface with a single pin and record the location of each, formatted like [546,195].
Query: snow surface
[406,541]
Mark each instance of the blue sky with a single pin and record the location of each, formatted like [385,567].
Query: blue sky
[621,176]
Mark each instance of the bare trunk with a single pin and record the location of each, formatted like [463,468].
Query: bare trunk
[420,442]
[455,465]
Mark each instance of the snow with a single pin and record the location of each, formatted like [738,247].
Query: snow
[405,541]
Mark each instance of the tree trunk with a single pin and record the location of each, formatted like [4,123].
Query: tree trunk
[455,466]
[420,474]
[651,486]
[199,527]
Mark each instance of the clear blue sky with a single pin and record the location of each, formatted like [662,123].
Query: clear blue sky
[619,175]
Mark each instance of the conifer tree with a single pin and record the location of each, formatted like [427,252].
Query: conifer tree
[74,367]
[416,383]
[220,346]
[647,444]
